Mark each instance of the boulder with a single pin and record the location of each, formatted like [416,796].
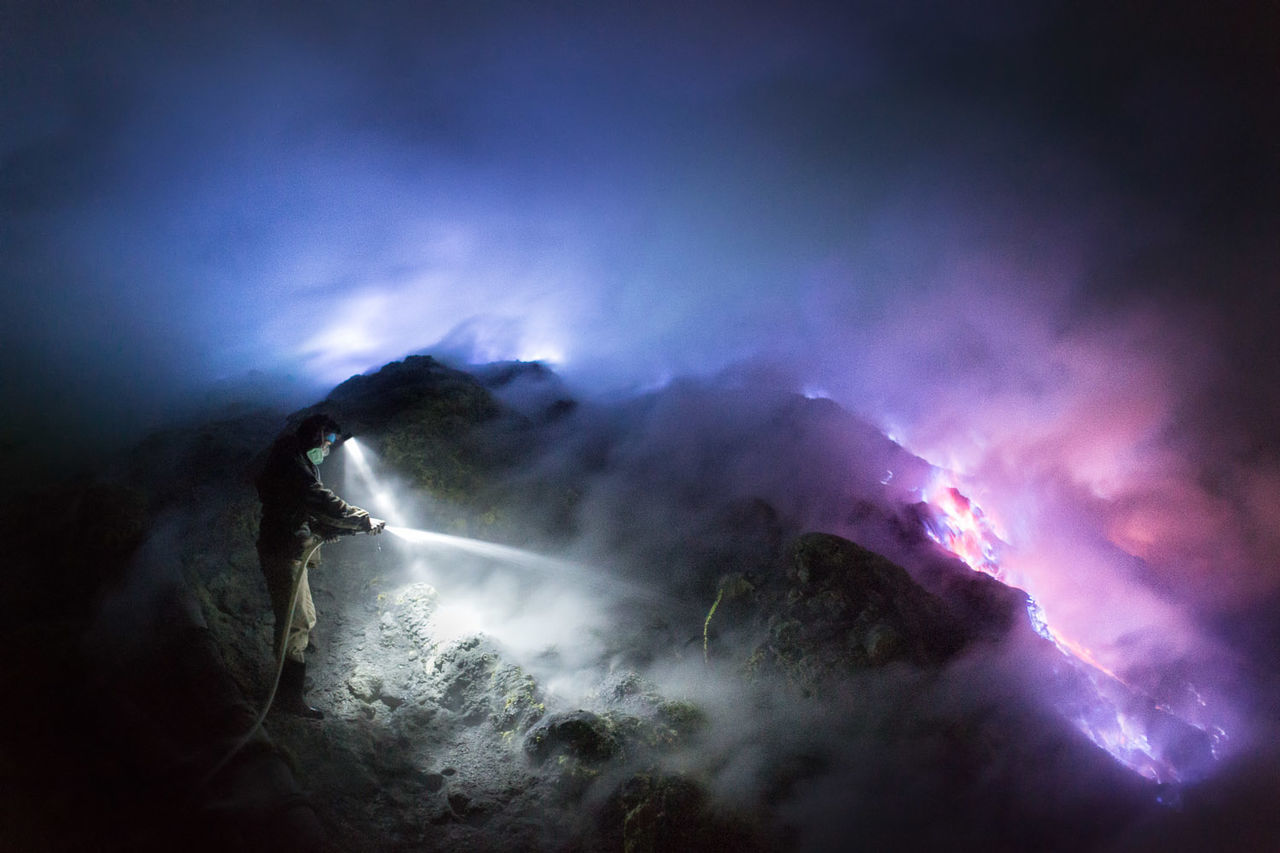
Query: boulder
[580,734]
[844,608]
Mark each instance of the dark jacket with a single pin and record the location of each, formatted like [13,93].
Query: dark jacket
[295,504]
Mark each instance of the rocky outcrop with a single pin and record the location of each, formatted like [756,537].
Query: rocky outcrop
[813,678]
[423,418]
[580,734]
[128,714]
[650,813]
[829,609]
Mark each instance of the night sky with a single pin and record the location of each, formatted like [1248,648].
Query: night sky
[1033,241]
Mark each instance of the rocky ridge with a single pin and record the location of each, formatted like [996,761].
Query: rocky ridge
[437,738]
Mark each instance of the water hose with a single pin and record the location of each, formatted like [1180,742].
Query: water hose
[282,642]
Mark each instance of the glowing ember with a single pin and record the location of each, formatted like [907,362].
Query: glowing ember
[963,529]
[1112,713]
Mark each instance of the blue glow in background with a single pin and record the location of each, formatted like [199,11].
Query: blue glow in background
[1033,240]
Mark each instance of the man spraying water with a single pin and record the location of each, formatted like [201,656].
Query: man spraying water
[298,515]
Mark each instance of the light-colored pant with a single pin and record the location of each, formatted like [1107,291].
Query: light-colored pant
[279,585]
[304,619]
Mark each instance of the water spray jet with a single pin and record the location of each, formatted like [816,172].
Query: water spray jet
[506,554]
[490,550]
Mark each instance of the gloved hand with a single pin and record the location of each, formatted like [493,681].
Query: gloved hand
[374,526]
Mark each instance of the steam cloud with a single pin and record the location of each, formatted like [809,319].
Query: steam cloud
[651,511]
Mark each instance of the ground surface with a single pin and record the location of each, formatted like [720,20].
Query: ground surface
[681,663]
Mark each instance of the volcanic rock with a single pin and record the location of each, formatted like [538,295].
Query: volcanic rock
[623,757]
[580,734]
[845,608]
[649,813]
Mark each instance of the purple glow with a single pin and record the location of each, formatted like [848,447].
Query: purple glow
[1048,269]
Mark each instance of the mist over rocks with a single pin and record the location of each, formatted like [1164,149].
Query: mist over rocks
[846,608]
[705,656]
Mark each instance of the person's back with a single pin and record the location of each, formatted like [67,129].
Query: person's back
[282,488]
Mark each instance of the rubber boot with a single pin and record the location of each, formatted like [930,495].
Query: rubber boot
[289,693]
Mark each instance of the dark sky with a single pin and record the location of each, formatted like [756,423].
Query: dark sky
[1034,241]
